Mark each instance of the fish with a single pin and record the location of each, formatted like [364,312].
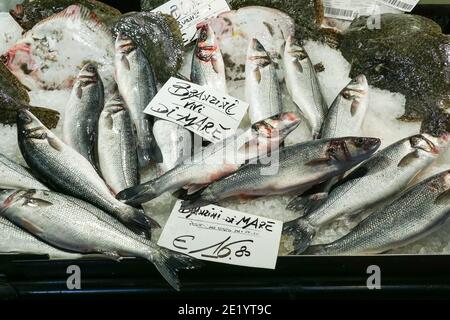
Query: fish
[347,112]
[175,143]
[236,28]
[137,85]
[262,88]
[418,212]
[64,169]
[83,111]
[303,85]
[14,240]
[375,181]
[116,146]
[29,13]
[71,224]
[51,54]
[295,169]
[208,68]
[216,160]
[14,176]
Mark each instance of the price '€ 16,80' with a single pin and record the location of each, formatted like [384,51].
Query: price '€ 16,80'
[222,235]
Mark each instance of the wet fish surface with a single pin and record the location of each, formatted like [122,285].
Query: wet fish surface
[14,176]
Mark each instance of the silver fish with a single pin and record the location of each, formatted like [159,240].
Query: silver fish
[216,161]
[303,86]
[82,112]
[418,212]
[71,224]
[14,240]
[262,88]
[347,113]
[208,68]
[65,169]
[14,176]
[297,168]
[378,179]
[175,143]
[137,85]
[117,155]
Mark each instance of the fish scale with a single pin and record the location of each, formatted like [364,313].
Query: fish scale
[13,175]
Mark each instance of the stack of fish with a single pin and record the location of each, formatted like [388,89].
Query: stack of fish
[81,193]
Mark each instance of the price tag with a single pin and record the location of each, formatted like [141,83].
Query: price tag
[351,9]
[189,13]
[208,113]
[222,235]
[403,5]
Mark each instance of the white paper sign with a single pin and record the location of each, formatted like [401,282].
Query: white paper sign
[351,9]
[208,113]
[403,5]
[222,235]
[189,13]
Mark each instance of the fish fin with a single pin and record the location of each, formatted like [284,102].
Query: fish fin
[36,202]
[54,143]
[307,203]
[354,108]
[316,162]
[215,65]
[79,92]
[141,224]
[257,74]
[113,256]
[48,117]
[155,153]
[139,194]
[300,233]
[30,227]
[315,250]
[125,62]
[443,198]
[194,200]
[298,66]
[195,188]
[408,159]
[170,263]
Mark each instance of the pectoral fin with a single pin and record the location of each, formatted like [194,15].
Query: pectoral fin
[257,74]
[32,228]
[317,162]
[408,159]
[125,62]
[54,143]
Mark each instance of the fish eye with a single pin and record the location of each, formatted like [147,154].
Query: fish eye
[346,94]
[359,142]
[332,150]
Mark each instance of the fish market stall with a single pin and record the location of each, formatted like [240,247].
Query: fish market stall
[305,143]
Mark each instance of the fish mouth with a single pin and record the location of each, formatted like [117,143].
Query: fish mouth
[24,116]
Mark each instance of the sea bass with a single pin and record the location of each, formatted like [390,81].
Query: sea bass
[62,168]
[14,176]
[347,113]
[71,224]
[208,68]
[303,86]
[137,85]
[14,240]
[295,168]
[376,180]
[50,55]
[418,212]
[216,160]
[117,155]
[262,88]
[82,113]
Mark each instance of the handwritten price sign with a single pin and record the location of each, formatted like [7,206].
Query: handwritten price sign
[222,235]
[208,113]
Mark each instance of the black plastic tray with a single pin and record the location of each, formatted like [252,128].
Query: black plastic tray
[28,277]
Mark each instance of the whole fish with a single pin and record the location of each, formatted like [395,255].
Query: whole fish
[345,118]
[303,86]
[52,53]
[347,113]
[137,85]
[262,88]
[216,160]
[62,168]
[117,155]
[72,224]
[376,180]
[418,212]
[14,240]
[175,143]
[14,176]
[208,68]
[82,112]
[296,168]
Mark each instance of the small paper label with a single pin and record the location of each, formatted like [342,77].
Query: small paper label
[189,13]
[208,113]
[222,235]
[351,9]
[403,5]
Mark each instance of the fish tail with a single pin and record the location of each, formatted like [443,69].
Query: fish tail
[195,200]
[141,224]
[300,233]
[306,203]
[137,195]
[170,263]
